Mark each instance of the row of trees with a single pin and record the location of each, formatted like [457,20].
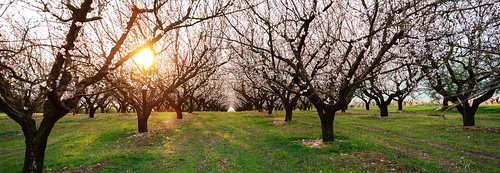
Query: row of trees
[58,52]
[277,53]
[330,52]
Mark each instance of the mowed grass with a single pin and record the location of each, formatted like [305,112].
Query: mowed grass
[249,142]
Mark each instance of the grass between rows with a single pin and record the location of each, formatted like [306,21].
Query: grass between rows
[409,141]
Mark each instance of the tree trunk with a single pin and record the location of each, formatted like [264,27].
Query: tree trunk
[468,119]
[86,110]
[259,108]
[123,109]
[270,109]
[344,109]
[468,113]
[92,112]
[35,152]
[327,125]
[178,111]
[367,105]
[288,113]
[36,139]
[400,104]
[142,120]
[103,110]
[384,112]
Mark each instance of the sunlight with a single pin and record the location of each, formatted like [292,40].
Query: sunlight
[145,58]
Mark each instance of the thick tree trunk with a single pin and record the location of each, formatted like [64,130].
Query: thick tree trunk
[400,104]
[384,111]
[123,109]
[35,152]
[327,126]
[468,119]
[103,110]
[288,113]
[468,113]
[36,139]
[178,111]
[142,120]
[142,124]
[92,112]
[86,110]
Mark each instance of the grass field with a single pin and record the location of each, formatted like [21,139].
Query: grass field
[249,142]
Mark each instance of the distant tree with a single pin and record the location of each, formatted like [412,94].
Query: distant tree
[96,97]
[145,88]
[360,94]
[394,85]
[459,48]
[52,57]
[329,48]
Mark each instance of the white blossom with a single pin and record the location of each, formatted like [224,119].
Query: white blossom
[79,24]
[62,51]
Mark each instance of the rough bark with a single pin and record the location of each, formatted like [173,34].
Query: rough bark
[142,122]
[178,111]
[34,152]
[327,119]
[468,113]
[288,113]
[384,111]
[92,112]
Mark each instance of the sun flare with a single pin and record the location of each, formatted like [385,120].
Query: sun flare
[145,58]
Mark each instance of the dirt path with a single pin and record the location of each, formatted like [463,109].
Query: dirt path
[440,146]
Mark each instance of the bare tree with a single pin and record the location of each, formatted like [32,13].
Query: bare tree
[396,85]
[194,55]
[459,49]
[330,48]
[53,64]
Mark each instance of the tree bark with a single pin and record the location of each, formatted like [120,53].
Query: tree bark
[92,112]
[142,120]
[468,113]
[123,109]
[344,109]
[288,113]
[270,108]
[259,108]
[327,125]
[468,119]
[34,152]
[367,105]
[178,111]
[36,139]
[384,111]
[400,104]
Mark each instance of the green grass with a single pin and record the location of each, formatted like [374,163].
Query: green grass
[248,142]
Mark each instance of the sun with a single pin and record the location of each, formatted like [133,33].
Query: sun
[145,58]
